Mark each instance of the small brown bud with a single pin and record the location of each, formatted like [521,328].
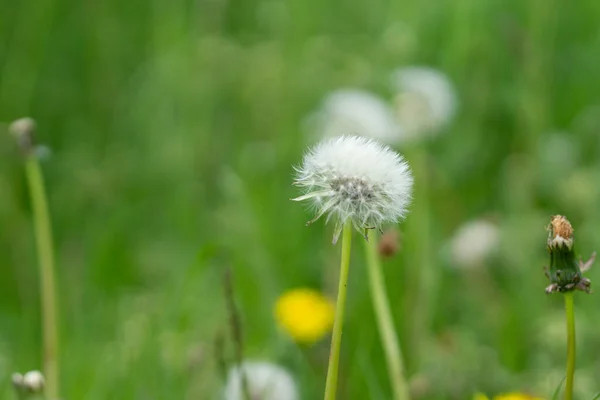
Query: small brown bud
[389,243]
[23,130]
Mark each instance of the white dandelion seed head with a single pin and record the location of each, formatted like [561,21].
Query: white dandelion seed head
[265,381]
[17,380]
[357,180]
[426,100]
[474,243]
[356,112]
[33,381]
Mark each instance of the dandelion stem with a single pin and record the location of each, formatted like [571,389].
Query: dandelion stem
[570,345]
[388,334]
[336,339]
[43,234]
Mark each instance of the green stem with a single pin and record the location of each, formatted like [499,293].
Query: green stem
[570,345]
[43,234]
[336,339]
[388,334]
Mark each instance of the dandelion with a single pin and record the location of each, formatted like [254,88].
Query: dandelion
[34,381]
[24,132]
[507,396]
[426,99]
[357,112]
[355,180]
[360,184]
[265,381]
[474,242]
[565,274]
[305,315]
[31,382]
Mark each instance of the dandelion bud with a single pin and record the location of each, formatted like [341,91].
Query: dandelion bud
[389,243]
[355,180]
[560,232]
[565,272]
[23,130]
[33,381]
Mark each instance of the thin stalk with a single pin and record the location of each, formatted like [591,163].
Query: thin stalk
[45,249]
[570,313]
[336,339]
[385,323]
[236,332]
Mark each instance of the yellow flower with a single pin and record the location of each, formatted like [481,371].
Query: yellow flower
[304,314]
[507,396]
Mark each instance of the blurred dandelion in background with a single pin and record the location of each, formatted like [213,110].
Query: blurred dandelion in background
[474,243]
[425,100]
[265,381]
[304,314]
[507,396]
[356,112]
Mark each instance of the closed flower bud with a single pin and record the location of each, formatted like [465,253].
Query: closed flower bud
[565,271]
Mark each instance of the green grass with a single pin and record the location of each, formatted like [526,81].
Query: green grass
[174,126]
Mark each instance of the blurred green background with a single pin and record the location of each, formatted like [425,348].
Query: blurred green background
[174,126]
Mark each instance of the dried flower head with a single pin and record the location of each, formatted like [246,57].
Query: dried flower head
[304,314]
[265,381]
[357,112]
[565,272]
[426,99]
[355,180]
[560,232]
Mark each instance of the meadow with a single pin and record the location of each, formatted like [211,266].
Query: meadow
[172,129]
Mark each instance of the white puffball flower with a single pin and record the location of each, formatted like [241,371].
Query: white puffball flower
[356,112]
[355,180]
[474,242]
[33,381]
[265,381]
[17,380]
[426,100]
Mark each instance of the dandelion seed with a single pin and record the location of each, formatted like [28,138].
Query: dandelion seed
[426,100]
[266,381]
[305,314]
[356,112]
[474,242]
[357,180]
